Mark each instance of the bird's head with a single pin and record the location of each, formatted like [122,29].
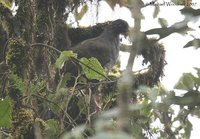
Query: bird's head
[119,26]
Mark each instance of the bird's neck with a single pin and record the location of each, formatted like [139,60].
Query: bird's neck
[110,34]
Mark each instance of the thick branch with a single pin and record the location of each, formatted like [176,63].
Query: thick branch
[166,31]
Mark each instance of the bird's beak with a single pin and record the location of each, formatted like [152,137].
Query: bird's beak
[126,34]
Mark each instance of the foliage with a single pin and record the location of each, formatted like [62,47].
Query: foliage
[186,82]
[53,127]
[194,42]
[36,103]
[89,65]
[5,112]
[64,57]
[6,3]
[190,84]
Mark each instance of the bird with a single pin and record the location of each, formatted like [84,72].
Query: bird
[105,47]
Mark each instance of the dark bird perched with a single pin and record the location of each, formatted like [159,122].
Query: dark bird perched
[105,47]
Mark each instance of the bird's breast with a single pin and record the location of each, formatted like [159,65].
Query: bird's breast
[114,53]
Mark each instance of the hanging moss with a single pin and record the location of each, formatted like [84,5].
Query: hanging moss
[24,18]
[42,21]
[61,39]
[25,124]
[23,120]
[6,21]
[16,59]
[3,36]
[44,127]
[154,53]
[16,56]
[3,39]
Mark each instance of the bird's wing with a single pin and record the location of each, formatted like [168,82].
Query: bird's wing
[96,47]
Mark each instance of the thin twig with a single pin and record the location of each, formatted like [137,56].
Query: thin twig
[95,84]
[54,103]
[73,58]
[46,45]
[6,134]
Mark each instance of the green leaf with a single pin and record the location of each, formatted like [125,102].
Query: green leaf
[156,11]
[92,68]
[64,56]
[84,9]
[178,2]
[75,133]
[186,82]
[188,129]
[136,129]
[34,88]
[5,112]
[196,112]
[163,22]
[197,79]
[17,82]
[6,3]
[198,71]
[152,95]
[63,81]
[146,109]
[60,98]
[101,124]
[54,126]
[195,43]
[112,135]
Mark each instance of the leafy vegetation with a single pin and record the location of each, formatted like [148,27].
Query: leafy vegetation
[6,111]
[36,102]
